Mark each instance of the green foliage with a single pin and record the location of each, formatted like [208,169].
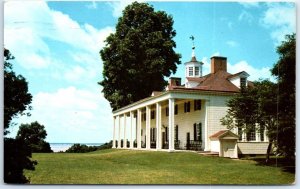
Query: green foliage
[272,105]
[34,135]
[138,55]
[146,167]
[82,148]
[285,71]
[16,158]
[16,101]
[16,95]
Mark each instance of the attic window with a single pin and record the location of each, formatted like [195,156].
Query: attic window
[243,83]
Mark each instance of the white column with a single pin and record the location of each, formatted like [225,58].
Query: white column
[131,138]
[139,124]
[114,133]
[148,125]
[206,126]
[125,139]
[119,132]
[171,124]
[266,139]
[257,133]
[158,126]
[244,135]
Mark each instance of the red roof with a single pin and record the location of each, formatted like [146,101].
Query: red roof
[218,134]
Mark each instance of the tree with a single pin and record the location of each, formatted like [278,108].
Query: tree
[17,99]
[33,135]
[285,71]
[138,55]
[252,106]
[16,158]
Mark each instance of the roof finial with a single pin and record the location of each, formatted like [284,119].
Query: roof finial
[193,48]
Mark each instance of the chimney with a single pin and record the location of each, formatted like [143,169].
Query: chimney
[218,63]
[174,81]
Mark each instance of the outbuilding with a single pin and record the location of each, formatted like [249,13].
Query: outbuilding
[225,143]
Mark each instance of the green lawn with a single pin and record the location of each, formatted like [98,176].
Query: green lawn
[144,167]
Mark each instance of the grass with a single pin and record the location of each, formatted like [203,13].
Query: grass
[143,167]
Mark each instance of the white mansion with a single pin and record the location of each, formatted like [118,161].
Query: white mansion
[187,117]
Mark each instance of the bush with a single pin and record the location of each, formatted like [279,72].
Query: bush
[81,148]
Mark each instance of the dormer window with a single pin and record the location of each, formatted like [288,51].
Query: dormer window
[243,82]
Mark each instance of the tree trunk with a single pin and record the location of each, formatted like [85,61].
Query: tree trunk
[268,152]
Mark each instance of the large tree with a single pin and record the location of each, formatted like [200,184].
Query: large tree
[34,135]
[17,99]
[138,55]
[285,71]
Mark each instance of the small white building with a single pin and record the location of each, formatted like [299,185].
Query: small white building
[187,117]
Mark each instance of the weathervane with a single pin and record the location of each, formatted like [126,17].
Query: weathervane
[193,38]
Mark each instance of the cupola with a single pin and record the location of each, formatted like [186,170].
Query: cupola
[193,68]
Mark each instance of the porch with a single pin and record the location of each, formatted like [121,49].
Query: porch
[162,123]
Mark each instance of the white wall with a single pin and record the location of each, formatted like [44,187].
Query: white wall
[215,146]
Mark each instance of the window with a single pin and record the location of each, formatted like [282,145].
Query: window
[243,83]
[262,136]
[197,131]
[197,105]
[153,114]
[240,133]
[167,111]
[152,134]
[187,106]
[190,71]
[176,109]
[197,71]
[251,135]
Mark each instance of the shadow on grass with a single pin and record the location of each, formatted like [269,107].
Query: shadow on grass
[286,165]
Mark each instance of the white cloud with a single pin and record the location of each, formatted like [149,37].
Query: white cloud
[37,23]
[92,5]
[119,6]
[232,43]
[72,115]
[281,19]
[255,73]
[246,16]
[249,4]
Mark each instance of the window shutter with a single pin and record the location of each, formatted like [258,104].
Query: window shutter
[176,109]
[195,131]
[195,105]
[200,132]
[188,106]
[185,107]
[167,136]
[176,133]
[199,106]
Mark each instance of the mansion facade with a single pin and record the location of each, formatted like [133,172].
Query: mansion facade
[187,116]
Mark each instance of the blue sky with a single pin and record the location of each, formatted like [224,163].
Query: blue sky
[57,44]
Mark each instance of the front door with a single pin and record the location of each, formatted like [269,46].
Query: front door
[228,148]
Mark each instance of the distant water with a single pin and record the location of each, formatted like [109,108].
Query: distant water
[57,147]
